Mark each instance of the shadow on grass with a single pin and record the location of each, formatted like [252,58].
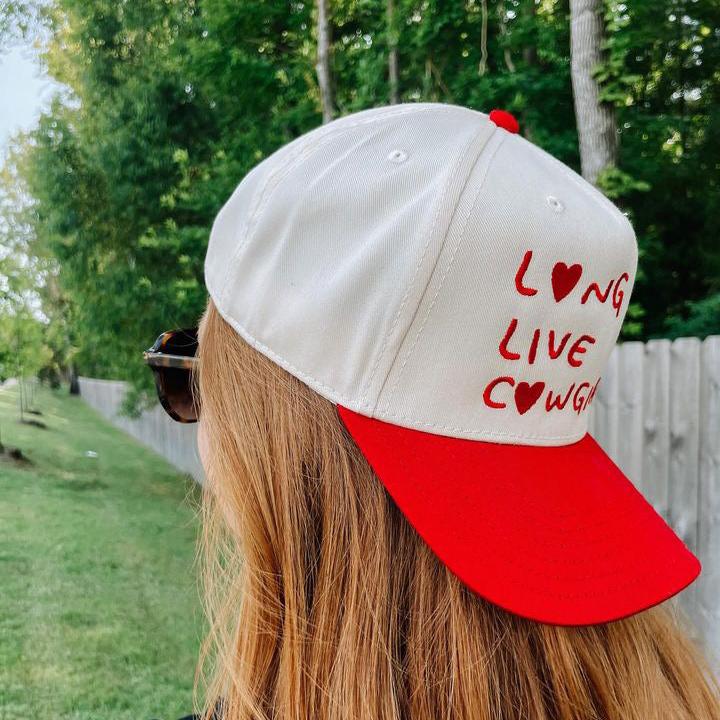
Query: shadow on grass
[14,455]
[34,423]
[82,485]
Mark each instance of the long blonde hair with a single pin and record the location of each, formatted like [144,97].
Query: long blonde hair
[324,604]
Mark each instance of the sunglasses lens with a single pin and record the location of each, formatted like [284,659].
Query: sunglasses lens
[175,386]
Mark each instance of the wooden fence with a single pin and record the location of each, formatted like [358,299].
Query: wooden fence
[656,412]
[177,442]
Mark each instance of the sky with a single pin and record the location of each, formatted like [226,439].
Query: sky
[24,91]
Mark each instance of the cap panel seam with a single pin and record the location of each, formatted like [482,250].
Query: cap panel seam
[366,386]
[411,350]
[263,194]
[601,201]
[262,197]
[471,433]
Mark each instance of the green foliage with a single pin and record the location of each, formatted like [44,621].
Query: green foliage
[617,184]
[171,102]
[697,319]
[633,325]
[617,82]
[667,54]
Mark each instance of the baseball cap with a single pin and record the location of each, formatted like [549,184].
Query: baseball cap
[456,292]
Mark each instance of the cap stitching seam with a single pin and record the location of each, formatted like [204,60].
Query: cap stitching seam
[608,591]
[447,269]
[576,581]
[433,227]
[300,374]
[477,433]
[351,403]
[602,202]
[263,194]
[551,530]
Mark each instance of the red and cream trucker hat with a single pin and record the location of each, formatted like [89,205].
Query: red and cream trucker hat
[456,291]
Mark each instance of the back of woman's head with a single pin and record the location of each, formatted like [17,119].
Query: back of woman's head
[324,603]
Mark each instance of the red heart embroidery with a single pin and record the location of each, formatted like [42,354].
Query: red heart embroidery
[564,279]
[527,395]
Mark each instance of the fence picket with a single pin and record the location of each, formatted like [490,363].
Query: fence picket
[174,441]
[708,545]
[684,448]
[656,425]
[605,407]
[629,417]
[684,437]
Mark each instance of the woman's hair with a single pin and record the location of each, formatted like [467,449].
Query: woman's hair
[325,604]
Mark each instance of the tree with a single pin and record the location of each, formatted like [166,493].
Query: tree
[323,61]
[392,53]
[595,118]
[25,348]
[172,102]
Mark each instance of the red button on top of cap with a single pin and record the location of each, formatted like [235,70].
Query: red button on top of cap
[503,119]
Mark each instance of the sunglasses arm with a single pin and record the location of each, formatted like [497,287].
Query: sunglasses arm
[159,359]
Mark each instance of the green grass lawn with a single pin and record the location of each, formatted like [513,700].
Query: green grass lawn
[99,610]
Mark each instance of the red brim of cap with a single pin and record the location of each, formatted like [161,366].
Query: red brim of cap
[554,534]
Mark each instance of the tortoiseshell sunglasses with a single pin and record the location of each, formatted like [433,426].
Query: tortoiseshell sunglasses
[172,360]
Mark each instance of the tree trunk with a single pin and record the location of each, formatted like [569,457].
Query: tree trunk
[323,61]
[530,50]
[595,119]
[530,59]
[507,55]
[483,38]
[74,383]
[392,54]
[21,399]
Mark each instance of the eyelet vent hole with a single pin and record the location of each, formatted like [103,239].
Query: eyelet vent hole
[555,204]
[397,156]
